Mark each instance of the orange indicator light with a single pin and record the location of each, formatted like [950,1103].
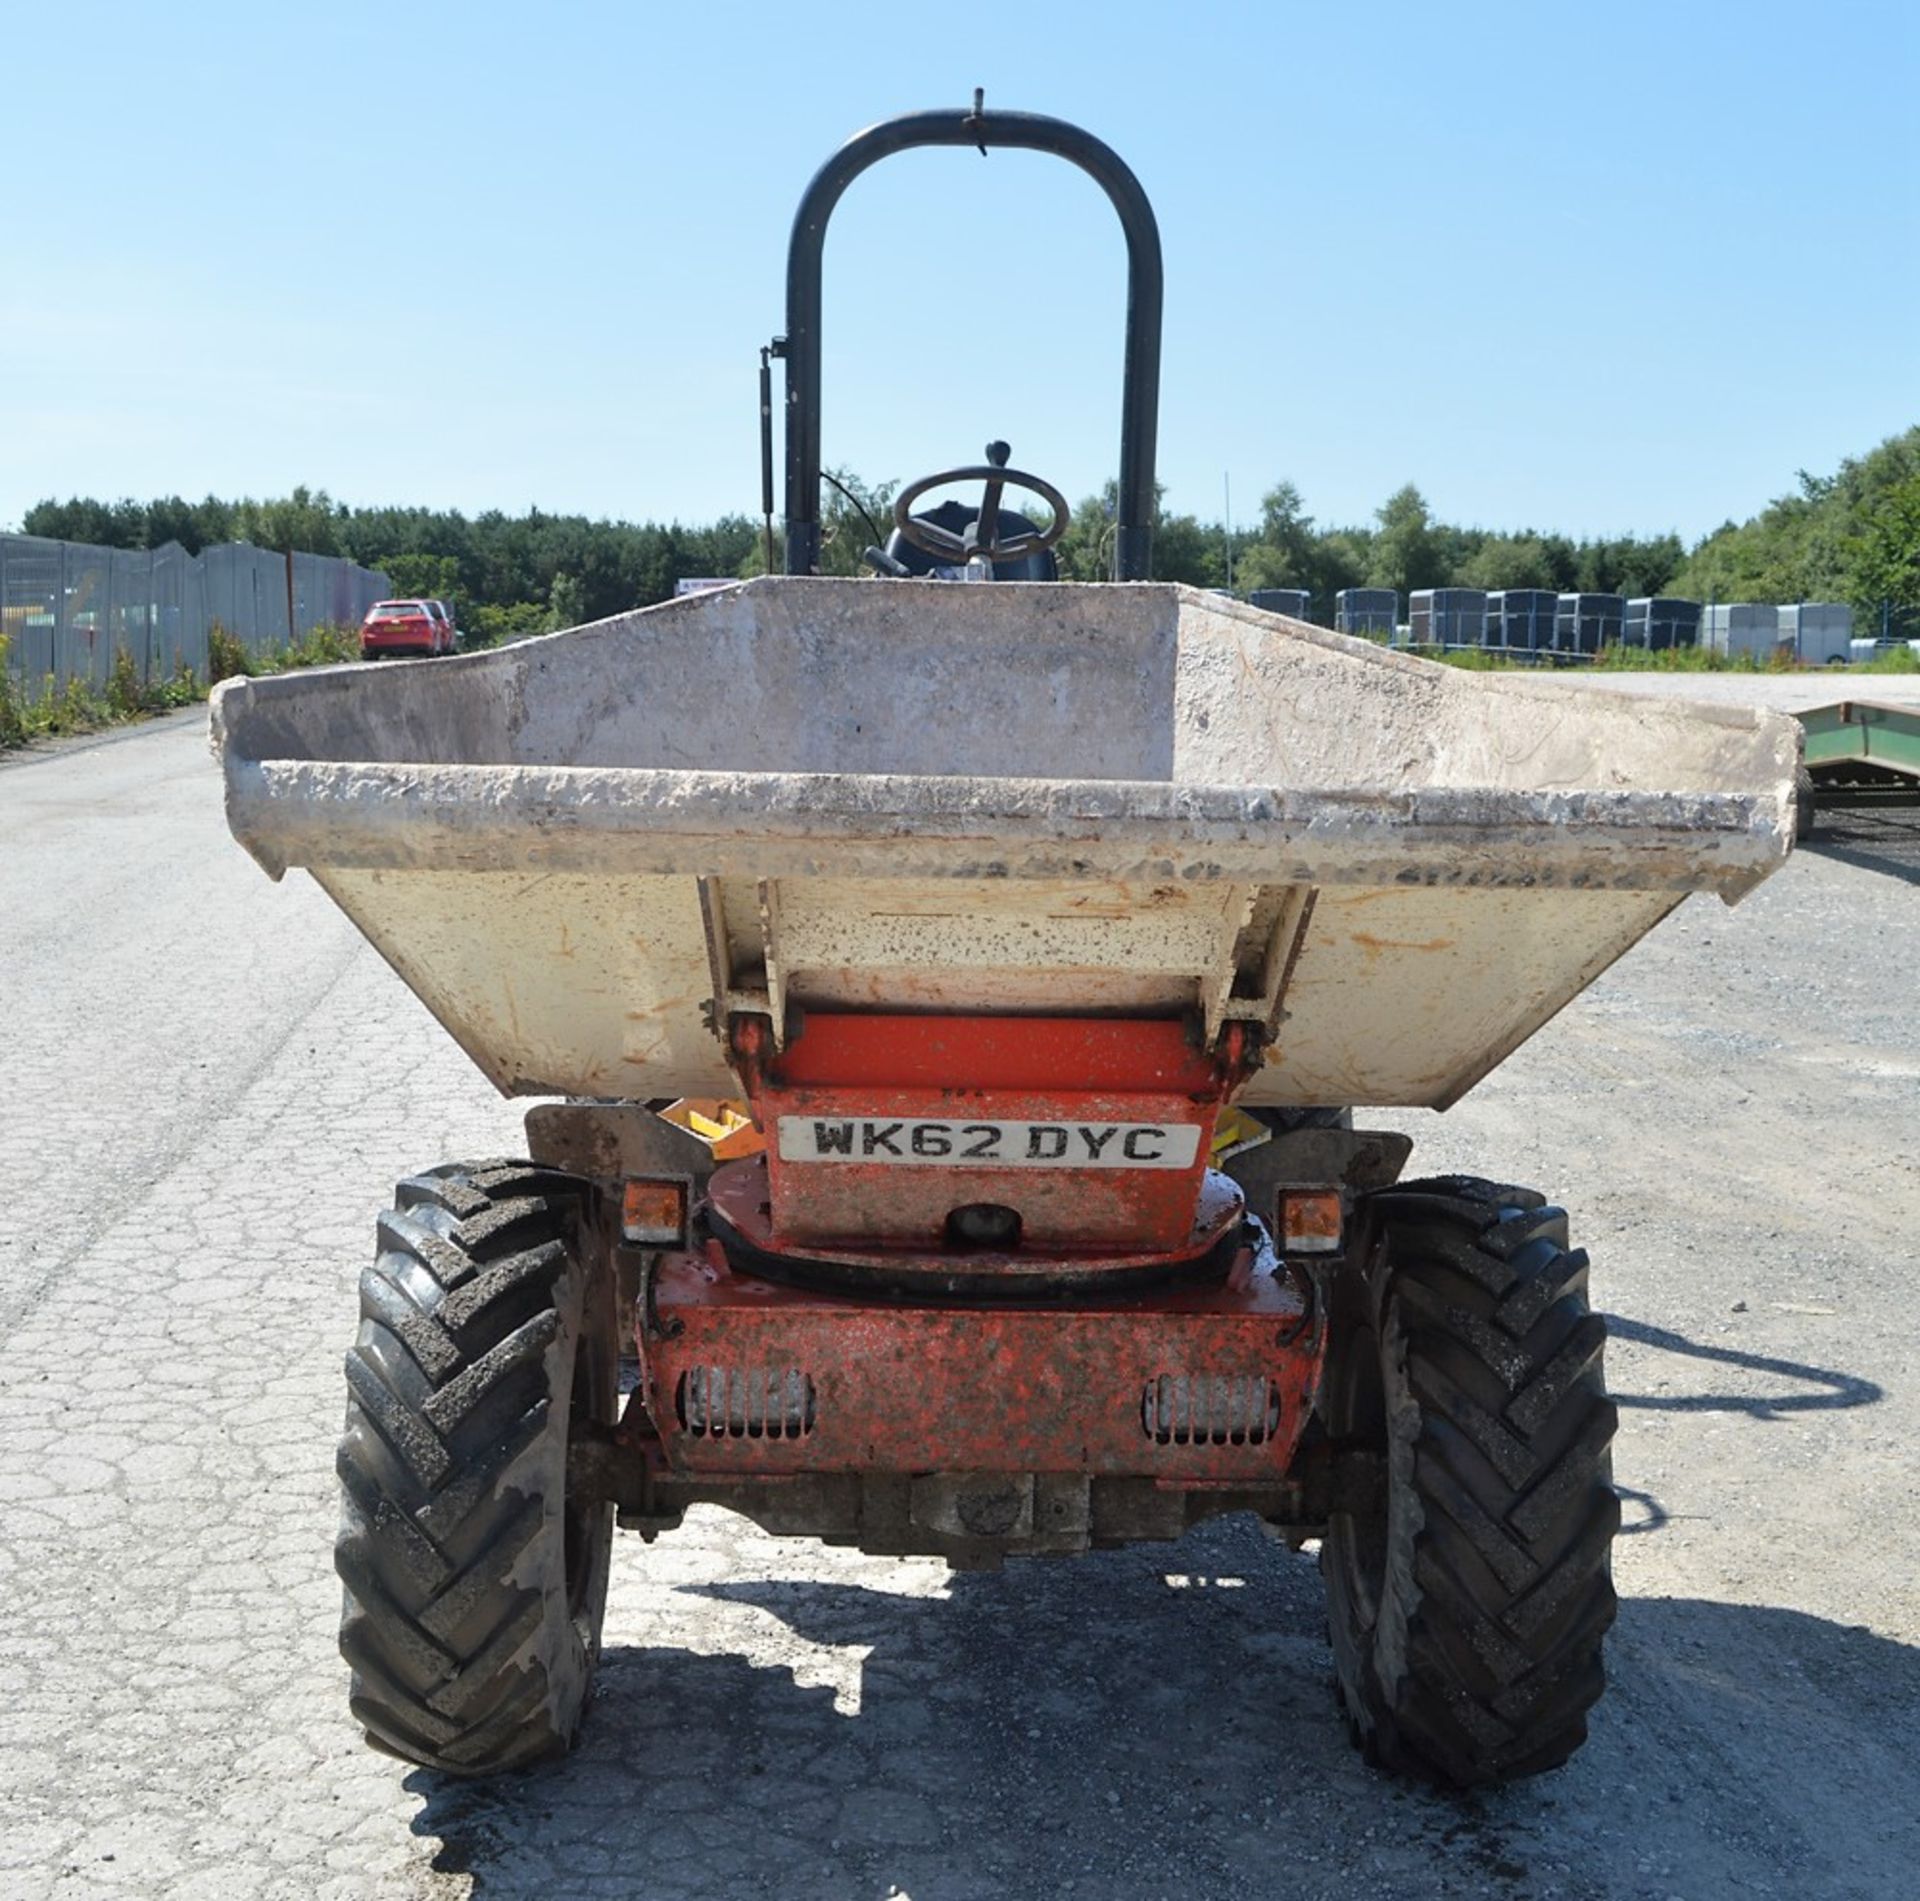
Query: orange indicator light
[1310,1220]
[654,1211]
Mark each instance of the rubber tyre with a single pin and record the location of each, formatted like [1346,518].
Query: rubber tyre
[474,1588]
[1806,806]
[1469,1597]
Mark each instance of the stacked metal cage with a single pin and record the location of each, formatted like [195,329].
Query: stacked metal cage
[1295,602]
[1585,623]
[1658,622]
[1520,619]
[1367,610]
[1448,617]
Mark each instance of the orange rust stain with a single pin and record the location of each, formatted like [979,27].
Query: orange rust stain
[1095,906]
[1351,899]
[1373,946]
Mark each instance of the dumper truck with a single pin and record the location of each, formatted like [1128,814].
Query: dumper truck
[993,900]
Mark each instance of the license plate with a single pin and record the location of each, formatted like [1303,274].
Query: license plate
[922,1143]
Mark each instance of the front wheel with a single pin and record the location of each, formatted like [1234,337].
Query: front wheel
[1806,806]
[474,1585]
[1469,1587]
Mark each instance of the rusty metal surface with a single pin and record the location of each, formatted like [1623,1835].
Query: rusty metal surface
[1359,1158]
[1065,1388]
[740,1212]
[607,1141]
[1133,799]
[1074,1124]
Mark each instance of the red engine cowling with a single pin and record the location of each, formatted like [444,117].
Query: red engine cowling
[1031,1270]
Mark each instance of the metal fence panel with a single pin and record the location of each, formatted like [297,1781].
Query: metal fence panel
[66,608]
[166,649]
[194,617]
[30,604]
[130,624]
[85,582]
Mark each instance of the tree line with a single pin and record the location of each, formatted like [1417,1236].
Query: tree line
[1852,536]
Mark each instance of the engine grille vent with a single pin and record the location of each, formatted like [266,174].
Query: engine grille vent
[745,1402]
[1210,1409]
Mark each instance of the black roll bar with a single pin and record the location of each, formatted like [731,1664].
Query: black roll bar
[1140,389]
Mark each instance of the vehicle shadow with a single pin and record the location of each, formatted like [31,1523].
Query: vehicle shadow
[1151,1722]
[1830,1391]
[1886,842]
[1640,1512]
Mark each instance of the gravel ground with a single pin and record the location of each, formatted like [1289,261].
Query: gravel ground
[211,1083]
[1784,692]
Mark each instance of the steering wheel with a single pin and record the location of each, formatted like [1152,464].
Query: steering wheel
[944,545]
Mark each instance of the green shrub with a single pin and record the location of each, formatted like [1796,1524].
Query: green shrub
[77,709]
[324,646]
[486,626]
[1621,659]
[126,691]
[182,690]
[13,714]
[226,655]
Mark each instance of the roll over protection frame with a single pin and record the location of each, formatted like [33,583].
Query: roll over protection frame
[1140,387]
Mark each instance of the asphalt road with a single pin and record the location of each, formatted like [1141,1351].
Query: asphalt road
[207,1084]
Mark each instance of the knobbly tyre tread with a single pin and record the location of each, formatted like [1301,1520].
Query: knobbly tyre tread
[467,1654]
[1494,1594]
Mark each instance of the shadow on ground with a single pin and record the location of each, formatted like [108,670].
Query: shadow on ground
[1885,841]
[1787,1386]
[1158,1722]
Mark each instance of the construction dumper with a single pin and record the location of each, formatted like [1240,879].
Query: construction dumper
[989,902]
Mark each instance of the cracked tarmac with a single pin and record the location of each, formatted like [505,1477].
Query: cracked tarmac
[210,1084]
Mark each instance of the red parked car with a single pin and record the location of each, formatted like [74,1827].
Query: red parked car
[404,627]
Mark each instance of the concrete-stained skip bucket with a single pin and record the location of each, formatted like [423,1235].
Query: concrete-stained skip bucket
[584,850]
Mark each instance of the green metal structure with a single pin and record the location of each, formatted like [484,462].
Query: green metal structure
[1860,752]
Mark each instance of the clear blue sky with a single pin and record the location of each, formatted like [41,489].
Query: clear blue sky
[1595,268]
